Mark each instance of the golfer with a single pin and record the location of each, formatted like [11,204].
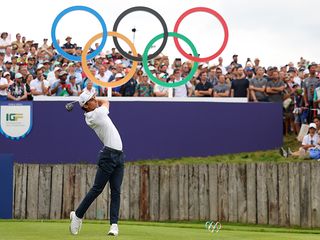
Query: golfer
[110,162]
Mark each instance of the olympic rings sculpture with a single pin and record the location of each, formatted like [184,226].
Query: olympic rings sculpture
[213,227]
[134,57]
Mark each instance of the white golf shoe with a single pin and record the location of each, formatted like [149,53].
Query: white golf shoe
[75,224]
[114,231]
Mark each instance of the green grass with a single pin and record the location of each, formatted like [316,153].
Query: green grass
[262,156]
[94,230]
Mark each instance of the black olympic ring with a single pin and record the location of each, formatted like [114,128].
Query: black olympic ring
[145,9]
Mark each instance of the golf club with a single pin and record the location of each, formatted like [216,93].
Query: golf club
[69,106]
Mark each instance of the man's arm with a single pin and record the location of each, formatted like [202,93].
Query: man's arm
[103,102]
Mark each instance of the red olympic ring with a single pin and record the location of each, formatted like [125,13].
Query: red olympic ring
[225,28]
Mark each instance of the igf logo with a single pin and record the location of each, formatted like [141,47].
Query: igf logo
[13,117]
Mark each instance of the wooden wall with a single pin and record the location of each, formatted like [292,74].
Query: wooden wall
[286,194]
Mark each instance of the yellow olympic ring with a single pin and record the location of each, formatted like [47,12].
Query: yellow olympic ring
[93,78]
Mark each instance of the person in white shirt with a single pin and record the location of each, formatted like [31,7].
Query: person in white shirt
[3,87]
[110,162]
[4,42]
[184,90]
[53,76]
[310,141]
[103,74]
[39,86]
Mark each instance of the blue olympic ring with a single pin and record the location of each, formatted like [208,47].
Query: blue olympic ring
[78,8]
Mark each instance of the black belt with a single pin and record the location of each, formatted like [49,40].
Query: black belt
[105,148]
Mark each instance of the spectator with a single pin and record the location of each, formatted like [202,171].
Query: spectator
[32,65]
[299,111]
[45,44]
[17,90]
[144,89]
[160,91]
[4,84]
[39,86]
[72,72]
[116,90]
[14,67]
[221,89]
[249,73]
[220,65]
[203,88]
[184,90]
[18,41]
[309,141]
[213,75]
[61,88]
[7,55]
[4,42]
[240,85]
[68,46]
[258,87]
[234,62]
[316,120]
[75,88]
[129,88]
[90,87]
[7,76]
[275,88]
[7,68]
[103,74]
[28,88]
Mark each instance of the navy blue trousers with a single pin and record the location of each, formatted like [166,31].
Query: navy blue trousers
[110,168]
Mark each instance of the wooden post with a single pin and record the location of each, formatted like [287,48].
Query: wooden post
[144,193]
[315,194]
[223,192]
[56,192]
[213,193]
[283,173]
[164,193]
[44,192]
[305,195]
[272,188]
[174,193]
[242,193]
[262,197]
[154,193]
[294,194]
[33,190]
[193,192]
[183,186]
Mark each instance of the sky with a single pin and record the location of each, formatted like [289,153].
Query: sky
[275,31]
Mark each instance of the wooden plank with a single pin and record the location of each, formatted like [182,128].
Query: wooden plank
[193,192]
[262,197]
[294,194]
[18,191]
[124,204]
[144,193]
[232,193]
[91,174]
[252,192]
[164,193]
[183,192]
[79,184]
[203,192]
[223,192]
[242,193]
[44,192]
[283,178]
[56,192]
[134,192]
[174,193]
[33,189]
[68,190]
[272,189]
[213,192]
[305,194]
[315,194]
[154,193]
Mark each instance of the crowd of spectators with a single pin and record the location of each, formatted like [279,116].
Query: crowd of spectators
[30,69]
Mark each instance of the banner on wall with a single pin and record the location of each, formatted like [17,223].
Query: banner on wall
[15,119]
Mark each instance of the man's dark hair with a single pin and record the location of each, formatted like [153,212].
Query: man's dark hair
[312,65]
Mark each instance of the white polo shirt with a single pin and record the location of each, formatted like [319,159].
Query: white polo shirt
[100,122]
[3,81]
[37,85]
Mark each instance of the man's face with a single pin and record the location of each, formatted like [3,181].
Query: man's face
[8,65]
[91,105]
[63,78]
[275,76]
[102,70]
[260,72]
[240,72]
[177,74]
[312,131]
[222,79]
[204,77]
[313,70]
[250,74]
[39,74]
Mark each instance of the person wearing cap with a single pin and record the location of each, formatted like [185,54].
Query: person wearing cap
[61,88]
[116,90]
[309,85]
[17,90]
[7,68]
[4,42]
[310,141]
[234,62]
[68,46]
[32,65]
[4,84]
[128,89]
[203,88]
[110,162]
[53,76]
[15,66]
[72,72]
[18,41]
[45,44]
[144,88]
[39,86]
[75,88]
[258,86]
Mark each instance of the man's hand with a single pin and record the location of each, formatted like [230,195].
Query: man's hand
[103,102]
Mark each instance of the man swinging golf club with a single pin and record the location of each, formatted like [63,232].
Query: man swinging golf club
[110,162]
